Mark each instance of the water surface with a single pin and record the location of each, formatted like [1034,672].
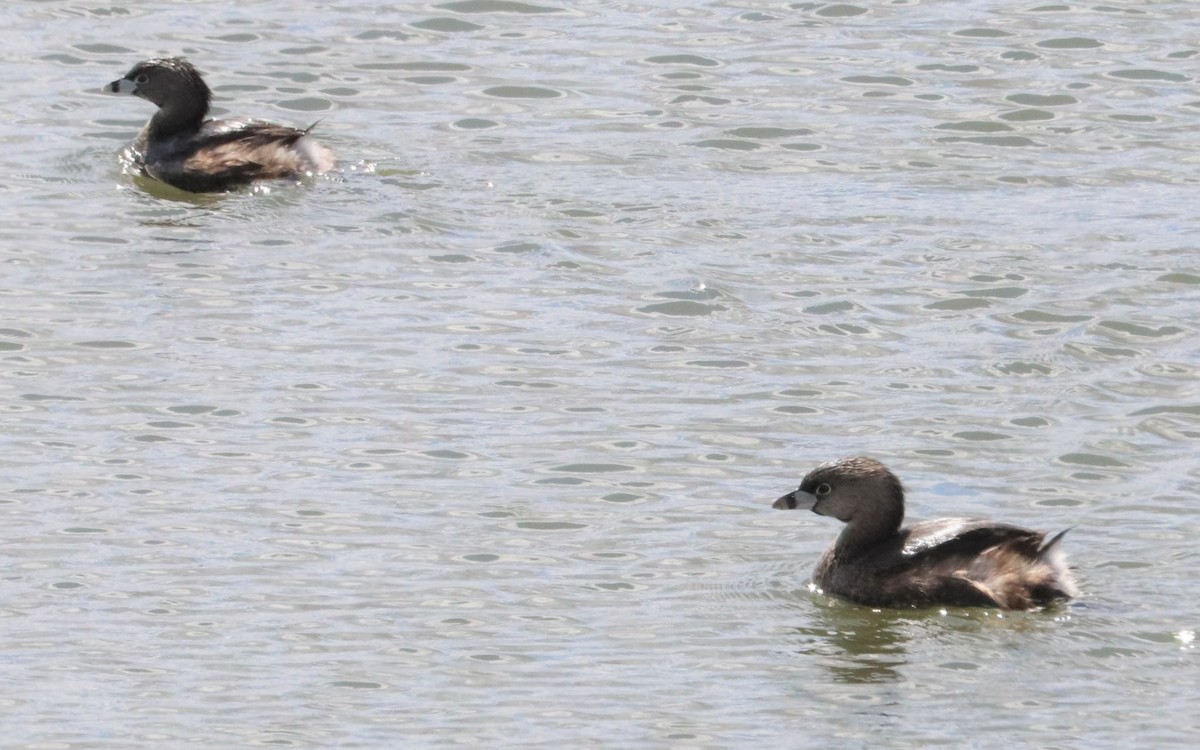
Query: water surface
[474,441]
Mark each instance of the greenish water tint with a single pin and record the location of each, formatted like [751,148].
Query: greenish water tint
[473,442]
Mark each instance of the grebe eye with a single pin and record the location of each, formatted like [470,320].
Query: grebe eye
[141,78]
[823,489]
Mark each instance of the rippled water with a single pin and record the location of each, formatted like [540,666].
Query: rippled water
[474,442]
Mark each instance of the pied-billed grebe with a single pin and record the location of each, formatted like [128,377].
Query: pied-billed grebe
[181,148]
[950,561]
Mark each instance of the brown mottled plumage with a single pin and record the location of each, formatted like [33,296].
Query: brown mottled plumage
[950,561]
[181,148]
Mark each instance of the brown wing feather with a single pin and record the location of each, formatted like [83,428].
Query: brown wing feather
[251,157]
[968,562]
[237,152]
[949,537]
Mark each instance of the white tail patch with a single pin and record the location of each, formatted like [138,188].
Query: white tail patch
[319,158]
[1052,555]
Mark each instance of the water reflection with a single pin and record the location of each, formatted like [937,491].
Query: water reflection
[860,645]
[855,644]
